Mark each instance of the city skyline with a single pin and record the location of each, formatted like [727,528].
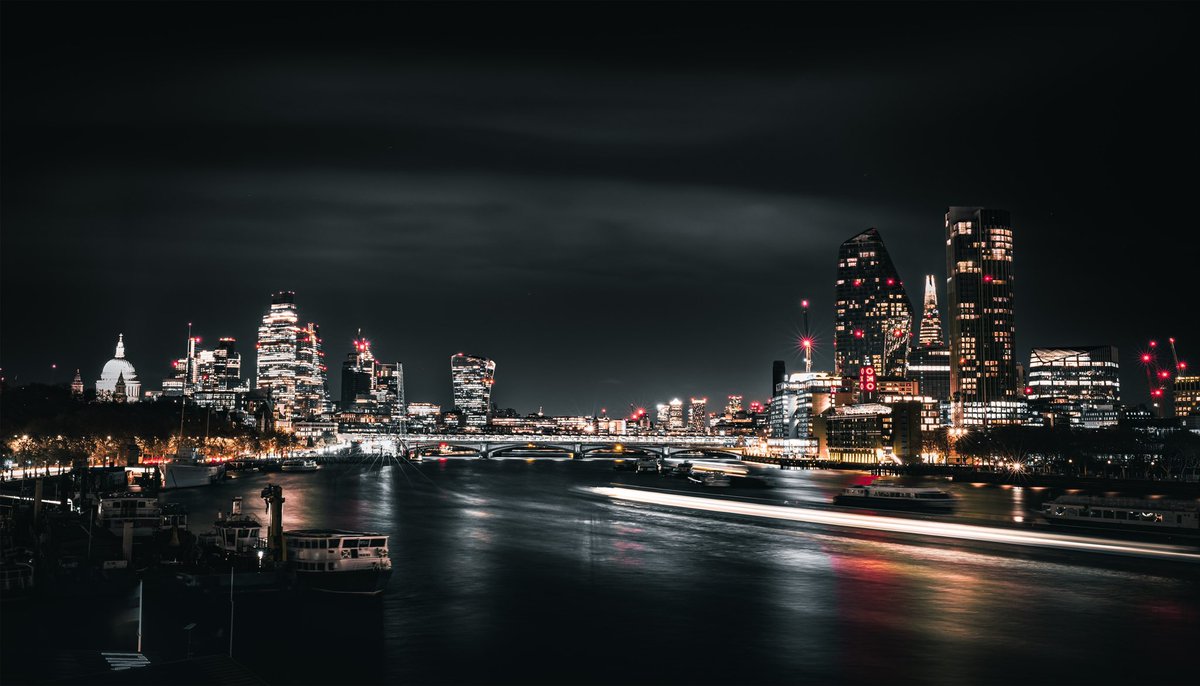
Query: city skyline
[709,187]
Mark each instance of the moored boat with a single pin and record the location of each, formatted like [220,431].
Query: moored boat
[337,561]
[1124,514]
[183,472]
[896,498]
[297,465]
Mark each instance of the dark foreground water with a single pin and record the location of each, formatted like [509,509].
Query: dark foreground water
[511,571]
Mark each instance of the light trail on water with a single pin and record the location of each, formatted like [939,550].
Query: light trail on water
[918,527]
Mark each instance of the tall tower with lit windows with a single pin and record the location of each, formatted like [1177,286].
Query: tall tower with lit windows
[873,316]
[979,287]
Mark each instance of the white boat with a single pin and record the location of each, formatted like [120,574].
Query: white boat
[299,466]
[189,473]
[1129,514]
[896,498]
[337,561]
[143,511]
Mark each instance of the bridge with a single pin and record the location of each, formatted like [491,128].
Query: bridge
[575,446]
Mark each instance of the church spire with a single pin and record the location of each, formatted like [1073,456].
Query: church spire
[120,346]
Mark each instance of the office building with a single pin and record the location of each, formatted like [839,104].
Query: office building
[870,433]
[929,360]
[1073,384]
[472,379]
[698,415]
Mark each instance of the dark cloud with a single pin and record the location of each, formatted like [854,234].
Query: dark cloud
[610,200]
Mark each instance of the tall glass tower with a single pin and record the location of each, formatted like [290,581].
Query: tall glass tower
[275,365]
[873,315]
[472,378]
[929,361]
[979,286]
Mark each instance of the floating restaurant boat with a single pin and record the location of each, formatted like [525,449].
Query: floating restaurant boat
[300,466]
[337,561]
[1128,514]
[896,498]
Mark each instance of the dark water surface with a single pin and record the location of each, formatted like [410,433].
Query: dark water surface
[511,571]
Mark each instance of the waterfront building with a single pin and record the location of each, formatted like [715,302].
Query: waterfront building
[372,398]
[873,314]
[733,406]
[675,415]
[472,379]
[979,287]
[1078,385]
[698,415]
[118,368]
[870,433]
[358,372]
[1187,396]
[798,399]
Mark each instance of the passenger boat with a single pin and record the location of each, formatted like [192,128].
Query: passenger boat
[235,557]
[300,466]
[1127,514]
[339,561]
[896,498]
[142,511]
[188,470]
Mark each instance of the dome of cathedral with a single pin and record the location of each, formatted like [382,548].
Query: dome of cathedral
[118,366]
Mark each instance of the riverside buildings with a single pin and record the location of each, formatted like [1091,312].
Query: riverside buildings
[873,315]
[979,287]
[372,399]
[1078,385]
[929,361]
[472,379]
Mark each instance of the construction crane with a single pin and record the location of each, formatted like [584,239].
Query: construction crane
[806,341]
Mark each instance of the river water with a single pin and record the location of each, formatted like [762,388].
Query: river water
[513,571]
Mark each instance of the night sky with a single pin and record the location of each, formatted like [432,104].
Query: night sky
[618,203]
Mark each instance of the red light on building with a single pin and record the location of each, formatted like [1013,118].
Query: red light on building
[987,278]
[1145,357]
[1153,344]
[1182,366]
[803,303]
[807,343]
[858,333]
[1029,390]
[891,282]
[1164,375]
[897,333]
[858,282]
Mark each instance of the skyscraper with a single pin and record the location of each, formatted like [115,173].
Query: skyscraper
[275,366]
[372,398]
[472,378]
[979,286]
[698,415]
[312,384]
[358,372]
[873,315]
[675,415]
[929,361]
[734,405]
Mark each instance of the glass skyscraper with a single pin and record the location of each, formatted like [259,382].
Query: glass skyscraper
[979,287]
[290,363]
[929,361]
[873,315]
[472,379]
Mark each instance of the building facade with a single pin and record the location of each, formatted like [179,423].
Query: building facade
[870,433]
[472,379]
[290,364]
[873,315]
[118,368]
[929,361]
[698,415]
[1075,385]
[979,287]
[1187,396]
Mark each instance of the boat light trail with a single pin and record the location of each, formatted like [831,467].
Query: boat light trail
[898,525]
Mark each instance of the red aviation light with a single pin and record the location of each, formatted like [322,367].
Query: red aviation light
[803,303]
[1153,344]
[987,278]
[1182,366]
[891,282]
[1146,357]
[858,282]
[1157,393]
[1164,374]
[1029,390]
[858,333]
[897,333]
[806,342]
